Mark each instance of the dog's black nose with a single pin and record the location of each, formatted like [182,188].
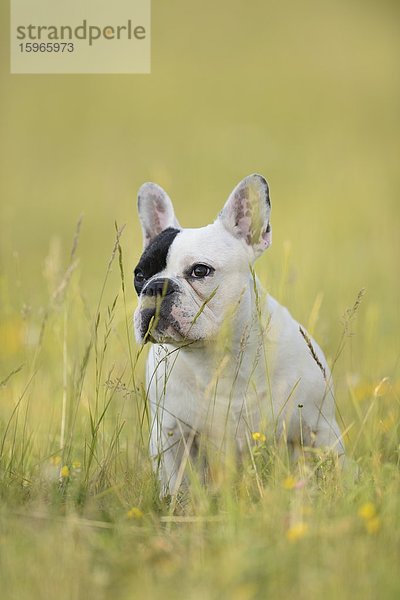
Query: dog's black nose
[160,287]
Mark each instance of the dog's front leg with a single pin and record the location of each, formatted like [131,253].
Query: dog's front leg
[170,449]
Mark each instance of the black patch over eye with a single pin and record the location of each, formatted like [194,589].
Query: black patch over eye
[199,271]
[154,258]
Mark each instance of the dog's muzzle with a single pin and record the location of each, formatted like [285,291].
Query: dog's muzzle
[156,304]
[160,287]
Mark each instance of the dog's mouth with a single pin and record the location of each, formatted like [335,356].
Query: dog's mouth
[158,326]
[173,320]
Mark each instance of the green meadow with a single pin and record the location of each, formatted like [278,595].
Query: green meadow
[306,94]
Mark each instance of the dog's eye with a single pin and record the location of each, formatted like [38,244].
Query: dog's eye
[139,277]
[199,271]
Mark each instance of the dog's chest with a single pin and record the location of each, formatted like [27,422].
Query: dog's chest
[209,394]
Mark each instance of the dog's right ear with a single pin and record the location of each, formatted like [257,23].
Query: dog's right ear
[156,212]
[246,214]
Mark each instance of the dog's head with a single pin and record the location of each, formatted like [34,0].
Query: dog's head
[187,279]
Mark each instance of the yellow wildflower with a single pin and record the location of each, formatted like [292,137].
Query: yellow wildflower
[297,531]
[258,437]
[76,464]
[64,472]
[55,460]
[289,483]
[134,513]
[367,511]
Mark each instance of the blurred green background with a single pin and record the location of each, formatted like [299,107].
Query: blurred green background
[305,93]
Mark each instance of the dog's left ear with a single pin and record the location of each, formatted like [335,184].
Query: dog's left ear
[247,211]
[156,212]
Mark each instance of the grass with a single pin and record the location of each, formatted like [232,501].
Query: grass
[80,514]
[307,95]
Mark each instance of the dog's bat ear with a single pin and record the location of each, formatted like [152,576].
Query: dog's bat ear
[156,212]
[246,213]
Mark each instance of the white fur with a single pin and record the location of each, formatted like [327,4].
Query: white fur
[242,365]
[155,211]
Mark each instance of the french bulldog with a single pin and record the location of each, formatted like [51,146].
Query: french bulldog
[228,364]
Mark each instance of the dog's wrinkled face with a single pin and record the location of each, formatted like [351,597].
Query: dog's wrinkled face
[187,279]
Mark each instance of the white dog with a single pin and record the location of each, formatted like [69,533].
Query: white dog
[226,361]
